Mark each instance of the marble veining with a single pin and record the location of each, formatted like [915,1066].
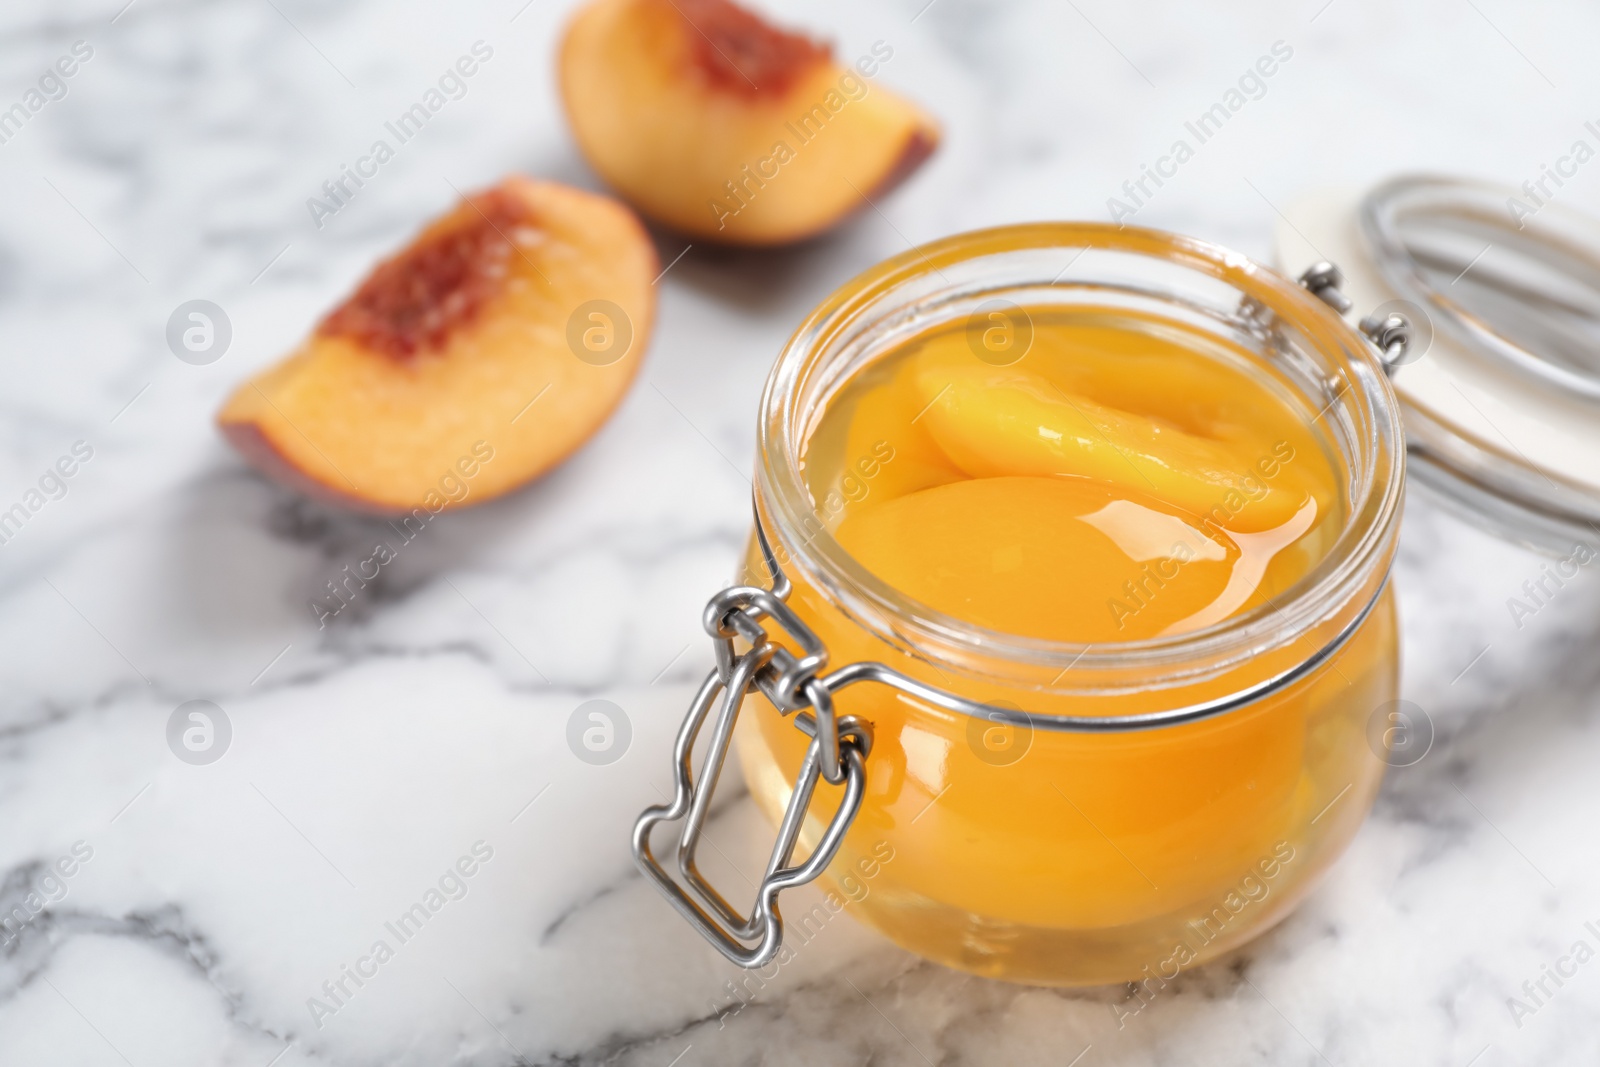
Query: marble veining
[209,906]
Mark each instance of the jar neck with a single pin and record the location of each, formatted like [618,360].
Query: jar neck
[1076,264]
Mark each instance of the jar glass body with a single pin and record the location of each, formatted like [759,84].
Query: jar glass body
[1051,856]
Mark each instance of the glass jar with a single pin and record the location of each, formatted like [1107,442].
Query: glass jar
[1030,810]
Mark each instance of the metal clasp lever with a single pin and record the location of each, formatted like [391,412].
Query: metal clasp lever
[837,752]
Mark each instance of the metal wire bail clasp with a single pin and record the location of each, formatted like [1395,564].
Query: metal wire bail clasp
[837,751]
[1391,333]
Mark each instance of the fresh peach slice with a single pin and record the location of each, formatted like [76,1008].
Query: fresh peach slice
[715,123]
[476,359]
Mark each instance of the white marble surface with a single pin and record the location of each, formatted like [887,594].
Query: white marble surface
[368,757]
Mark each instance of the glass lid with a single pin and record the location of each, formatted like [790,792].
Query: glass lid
[1502,407]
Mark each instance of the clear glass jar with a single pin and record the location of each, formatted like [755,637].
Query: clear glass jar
[1023,851]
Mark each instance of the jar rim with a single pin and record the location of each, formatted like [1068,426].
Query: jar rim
[1358,390]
